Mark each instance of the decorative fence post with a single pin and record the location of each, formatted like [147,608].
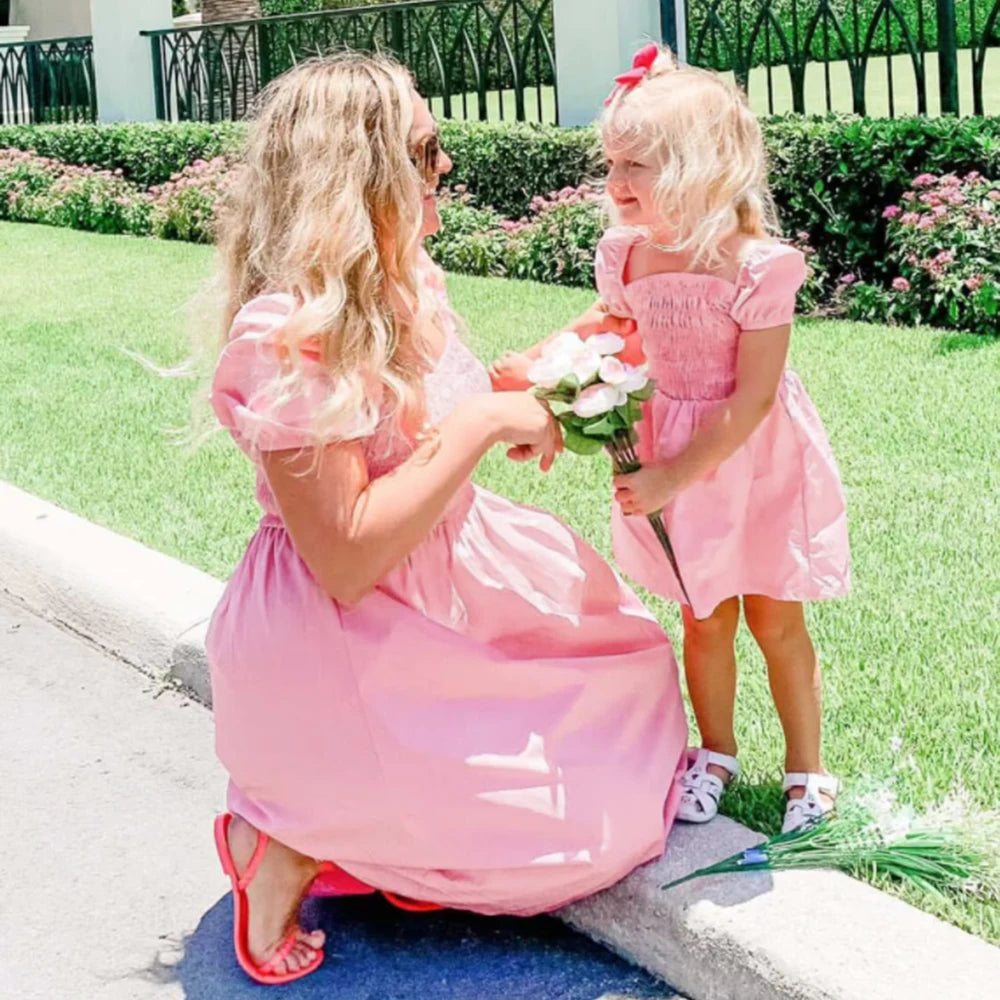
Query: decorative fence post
[673,26]
[595,41]
[947,56]
[123,60]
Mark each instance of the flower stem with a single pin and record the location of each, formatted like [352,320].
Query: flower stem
[625,460]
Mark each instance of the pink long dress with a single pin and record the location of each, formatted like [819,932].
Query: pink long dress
[771,519]
[498,727]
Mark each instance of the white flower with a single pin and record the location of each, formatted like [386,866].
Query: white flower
[598,399]
[564,355]
[564,343]
[547,372]
[635,379]
[627,378]
[896,744]
[612,371]
[586,365]
[606,343]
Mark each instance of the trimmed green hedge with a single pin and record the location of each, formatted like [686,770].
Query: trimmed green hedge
[832,176]
[502,165]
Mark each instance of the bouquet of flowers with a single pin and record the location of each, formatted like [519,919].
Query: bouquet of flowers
[597,398]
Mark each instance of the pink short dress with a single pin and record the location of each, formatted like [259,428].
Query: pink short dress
[498,727]
[771,519]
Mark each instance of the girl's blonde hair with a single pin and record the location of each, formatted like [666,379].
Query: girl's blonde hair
[327,207]
[697,128]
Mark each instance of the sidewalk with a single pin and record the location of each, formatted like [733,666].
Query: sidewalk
[800,935]
[111,889]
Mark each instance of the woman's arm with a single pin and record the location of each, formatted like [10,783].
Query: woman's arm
[351,530]
[760,363]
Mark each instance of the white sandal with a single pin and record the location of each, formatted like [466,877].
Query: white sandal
[810,808]
[703,790]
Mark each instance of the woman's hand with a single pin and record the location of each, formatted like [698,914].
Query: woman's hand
[509,373]
[527,425]
[649,490]
[597,319]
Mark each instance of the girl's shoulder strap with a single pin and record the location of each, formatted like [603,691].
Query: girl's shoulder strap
[609,266]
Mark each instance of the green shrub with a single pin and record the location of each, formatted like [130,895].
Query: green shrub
[832,177]
[471,240]
[505,166]
[146,153]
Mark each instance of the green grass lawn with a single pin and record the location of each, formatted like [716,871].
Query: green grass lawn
[911,656]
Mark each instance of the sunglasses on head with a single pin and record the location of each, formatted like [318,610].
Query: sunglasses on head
[425,158]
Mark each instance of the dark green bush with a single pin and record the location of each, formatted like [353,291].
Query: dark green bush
[832,177]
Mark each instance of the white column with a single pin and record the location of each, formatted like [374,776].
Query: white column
[123,64]
[595,42]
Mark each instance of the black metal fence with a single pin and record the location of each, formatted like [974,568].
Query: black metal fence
[480,59]
[48,81]
[866,56]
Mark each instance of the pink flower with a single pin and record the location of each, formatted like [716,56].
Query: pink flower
[910,219]
[975,282]
[929,198]
[994,195]
[910,196]
[891,212]
[900,284]
[950,180]
[848,279]
[945,257]
[924,180]
[973,175]
[803,237]
[927,222]
[939,211]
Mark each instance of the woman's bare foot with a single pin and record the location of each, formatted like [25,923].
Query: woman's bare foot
[274,896]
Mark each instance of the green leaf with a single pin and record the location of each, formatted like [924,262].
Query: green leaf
[646,392]
[604,427]
[580,444]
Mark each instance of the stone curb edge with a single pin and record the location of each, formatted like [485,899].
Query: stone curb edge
[787,936]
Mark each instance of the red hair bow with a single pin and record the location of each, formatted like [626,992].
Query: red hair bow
[641,65]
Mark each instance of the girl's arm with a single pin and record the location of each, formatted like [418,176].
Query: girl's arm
[510,371]
[760,364]
[351,531]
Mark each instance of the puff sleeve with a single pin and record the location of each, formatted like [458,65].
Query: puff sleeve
[767,286]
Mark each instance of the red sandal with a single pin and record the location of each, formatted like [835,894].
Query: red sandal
[265,973]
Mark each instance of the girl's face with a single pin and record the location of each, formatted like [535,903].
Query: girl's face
[630,185]
[430,160]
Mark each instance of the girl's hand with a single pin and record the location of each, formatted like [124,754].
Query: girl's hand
[649,490]
[527,425]
[597,319]
[509,373]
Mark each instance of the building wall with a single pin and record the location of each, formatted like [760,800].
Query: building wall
[52,18]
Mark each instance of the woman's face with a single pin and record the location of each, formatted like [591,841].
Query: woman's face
[423,142]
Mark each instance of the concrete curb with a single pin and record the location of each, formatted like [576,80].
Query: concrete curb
[790,936]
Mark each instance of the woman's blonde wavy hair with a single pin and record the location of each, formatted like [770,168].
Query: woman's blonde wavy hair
[327,207]
[697,129]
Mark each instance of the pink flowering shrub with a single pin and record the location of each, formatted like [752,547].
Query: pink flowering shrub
[37,189]
[944,253]
[186,207]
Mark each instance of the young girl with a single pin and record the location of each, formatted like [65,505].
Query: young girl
[733,452]
[419,687]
